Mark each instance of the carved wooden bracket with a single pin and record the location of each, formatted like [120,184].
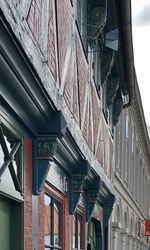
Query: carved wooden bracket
[45,146]
[77,184]
[107,210]
[112,88]
[107,64]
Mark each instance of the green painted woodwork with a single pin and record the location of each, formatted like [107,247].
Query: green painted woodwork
[11,167]
[5,221]
[11,188]
[17,233]
[11,225]
[112,87]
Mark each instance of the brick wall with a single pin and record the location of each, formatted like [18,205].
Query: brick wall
[66,223]
[68,88]
[71,69]
[90,128]
[64,20]
[41,221]
[34,18]
[76,105]
[96,115]
[28,193]
[51,43]
[82,71]
[101,144]
[78,90]
[85,124]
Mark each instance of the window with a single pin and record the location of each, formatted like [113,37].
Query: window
[11,171]
[52,223]
[94,234]
[90,19]
[77,231]
[11,187]
[94,59]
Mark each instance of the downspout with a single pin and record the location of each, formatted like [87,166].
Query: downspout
[126,31]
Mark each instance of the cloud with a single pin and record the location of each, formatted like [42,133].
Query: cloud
[143,17]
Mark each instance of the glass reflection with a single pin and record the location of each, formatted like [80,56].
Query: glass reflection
[56,225]
[47,220]
[73,231]
[1,156]
[79,233]
[6,178]
[92,234]
[52,223]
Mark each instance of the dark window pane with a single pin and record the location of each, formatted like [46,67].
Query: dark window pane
[92,234]
[52,223]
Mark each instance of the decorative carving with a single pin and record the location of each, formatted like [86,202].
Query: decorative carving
[107,213]
[93,195]
[117,108]
[77,189]
[112,88]
[46,149]
[92,199]
[77,184]
[45,146]
[107,64]
[107,210]
[99,18]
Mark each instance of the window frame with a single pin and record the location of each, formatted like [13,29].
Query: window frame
[60,199]
[13,193]
[79,216]
[12,196]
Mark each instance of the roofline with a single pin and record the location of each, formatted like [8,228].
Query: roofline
[137,105]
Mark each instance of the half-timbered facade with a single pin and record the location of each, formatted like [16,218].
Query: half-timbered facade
[66,72]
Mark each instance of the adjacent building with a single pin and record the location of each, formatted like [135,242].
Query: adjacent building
[66,73]
[131,179]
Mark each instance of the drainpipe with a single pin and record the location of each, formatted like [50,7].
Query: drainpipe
[126,33]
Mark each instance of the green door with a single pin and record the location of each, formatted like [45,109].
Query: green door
[5,210]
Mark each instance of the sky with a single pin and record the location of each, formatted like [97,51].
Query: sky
[141,45]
